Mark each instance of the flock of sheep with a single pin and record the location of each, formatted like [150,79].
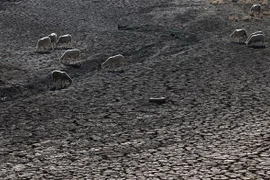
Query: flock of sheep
[52,41]
[256,37]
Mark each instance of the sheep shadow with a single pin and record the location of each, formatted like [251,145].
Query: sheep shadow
[62,48]
[55,88]
[257,47]
[43,52]
[116,71]
[238,43]
[73,65]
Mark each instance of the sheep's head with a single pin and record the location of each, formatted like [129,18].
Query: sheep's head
[105,64]
[69,81]
[245,35]
[67,78]
[83,56]
[249,42]
[61,58]
[234,34]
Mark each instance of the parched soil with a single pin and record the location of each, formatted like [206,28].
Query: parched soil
[214,124]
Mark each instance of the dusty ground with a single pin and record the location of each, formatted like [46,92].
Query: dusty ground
[215,124]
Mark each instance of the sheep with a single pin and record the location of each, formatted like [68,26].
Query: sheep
[239,33]
[44,42]
[53,37]
[70,53]
[64,39]
[159,100]
[112,61]
[255,8]
[256,38]
[257,32]
[61,76]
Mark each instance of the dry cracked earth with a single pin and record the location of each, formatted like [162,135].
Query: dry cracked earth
[214,124]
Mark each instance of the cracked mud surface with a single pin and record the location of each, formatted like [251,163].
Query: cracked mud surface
[215,124]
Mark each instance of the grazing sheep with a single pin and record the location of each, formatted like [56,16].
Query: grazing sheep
[240,34]
[64,39]
[71,53]
[255,9]
[61,76]
[159,100]
[53,37]
[43,43]
[256,38]
[257,32]
[113,61]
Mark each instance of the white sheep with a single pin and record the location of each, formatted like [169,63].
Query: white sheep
[71,53]
[257,32]
[53,37]
[240,34]
[255,9]
[64,39]
[61,76]
[44,42]
[256,38]
[113,61]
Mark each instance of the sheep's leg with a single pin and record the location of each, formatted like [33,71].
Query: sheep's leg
[55,82]
[61,83]
[122,65]
[109,66]
[69,83]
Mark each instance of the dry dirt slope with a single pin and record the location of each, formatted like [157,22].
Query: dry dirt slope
[215,124]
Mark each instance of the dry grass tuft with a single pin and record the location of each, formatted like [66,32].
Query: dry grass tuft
[262,2]
[216,1]
[267,13]
[258,18]
[237,18]
[246,18]
[234,18]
